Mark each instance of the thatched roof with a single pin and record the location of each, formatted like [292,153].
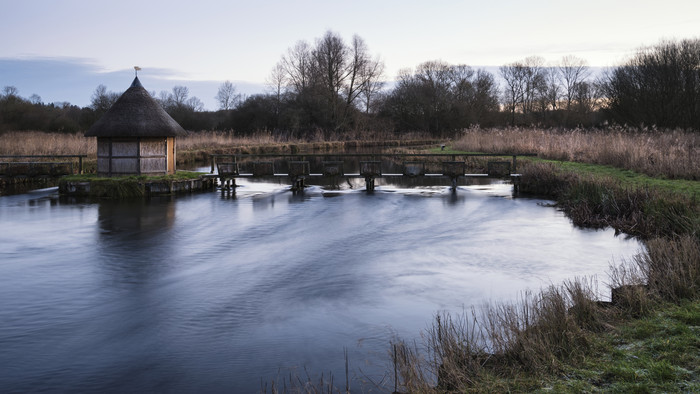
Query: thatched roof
[136,114]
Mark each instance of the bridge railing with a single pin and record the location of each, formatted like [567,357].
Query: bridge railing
[41,160]
[450,158]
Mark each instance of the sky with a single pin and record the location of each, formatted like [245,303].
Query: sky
[62,50]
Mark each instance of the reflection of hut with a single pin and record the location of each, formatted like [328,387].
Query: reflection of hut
[135,136]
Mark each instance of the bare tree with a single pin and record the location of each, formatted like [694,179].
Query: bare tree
[535,83]
[227,96]
[553,91]
[194,104]
[546,91]
[572,72]
[179,95]
[10,91]
[328,82]
[165,99]
[330,72]
[297,65]
[461,78]
[35,99]
[372,75]
[514,76]
[102,100]
[277,81]
[358,62]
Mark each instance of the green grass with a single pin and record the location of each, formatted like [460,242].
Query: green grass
[178,176]
[658,353]
[131,186]
[628,178]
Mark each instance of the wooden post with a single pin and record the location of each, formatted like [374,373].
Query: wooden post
[369,184]
[80,165]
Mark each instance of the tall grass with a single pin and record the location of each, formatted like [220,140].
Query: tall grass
[221,139]
[474,350]
[41,143]
[669,153]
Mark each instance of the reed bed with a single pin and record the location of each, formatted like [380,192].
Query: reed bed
[221,139]
[669,153]
[42,143]
[472,351]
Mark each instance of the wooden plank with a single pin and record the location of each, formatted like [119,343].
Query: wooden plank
[333,168]
[227,169]
[499,169]
[413,168]
[453,169]
[371,168]
[263,168]
[299,168]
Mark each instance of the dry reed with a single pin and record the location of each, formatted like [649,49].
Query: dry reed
[670,153]
[41,143]
[538,333]
[221,139]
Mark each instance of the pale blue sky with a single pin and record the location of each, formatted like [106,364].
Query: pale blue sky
[206,42]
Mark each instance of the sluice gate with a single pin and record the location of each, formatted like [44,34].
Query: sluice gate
[302,169]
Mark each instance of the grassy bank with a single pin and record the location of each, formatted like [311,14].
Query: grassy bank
[601,196]
[656,353]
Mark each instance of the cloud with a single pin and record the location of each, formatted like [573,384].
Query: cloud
[75,79]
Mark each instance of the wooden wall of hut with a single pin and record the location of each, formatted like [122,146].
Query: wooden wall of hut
[171,155]
[135,156]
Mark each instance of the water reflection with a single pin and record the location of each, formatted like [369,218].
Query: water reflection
[142,218]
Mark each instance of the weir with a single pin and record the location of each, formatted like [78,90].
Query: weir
[302,169]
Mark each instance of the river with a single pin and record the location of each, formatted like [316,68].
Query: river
[218,292]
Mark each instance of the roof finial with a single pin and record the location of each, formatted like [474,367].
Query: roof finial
[136,70]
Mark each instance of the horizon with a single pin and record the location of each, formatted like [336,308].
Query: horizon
[201,47]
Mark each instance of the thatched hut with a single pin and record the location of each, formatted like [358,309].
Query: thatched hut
[135,136]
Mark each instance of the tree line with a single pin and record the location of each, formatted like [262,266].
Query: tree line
[335,87]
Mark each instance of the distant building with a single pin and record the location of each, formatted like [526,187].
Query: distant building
[136,136]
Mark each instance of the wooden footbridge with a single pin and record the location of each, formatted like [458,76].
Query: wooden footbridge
[302,168]
[38,166]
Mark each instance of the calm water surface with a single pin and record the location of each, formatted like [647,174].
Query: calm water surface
[214,293]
